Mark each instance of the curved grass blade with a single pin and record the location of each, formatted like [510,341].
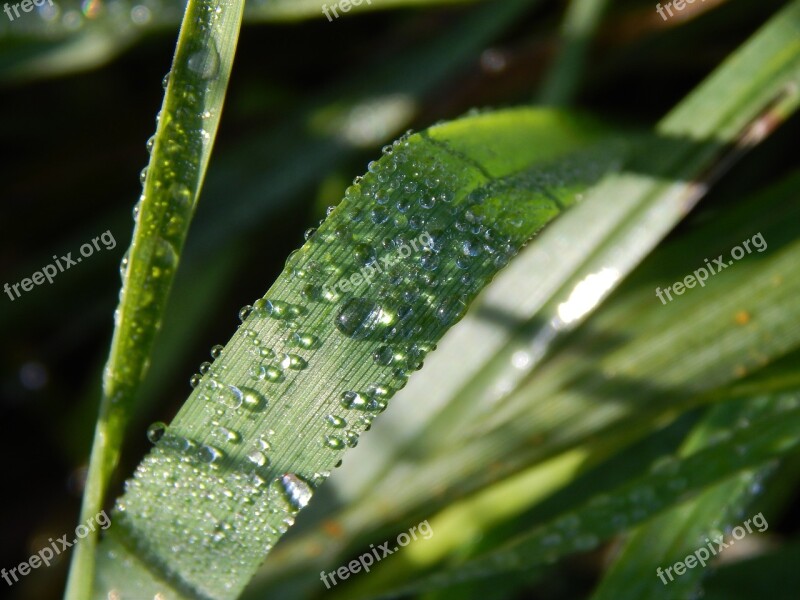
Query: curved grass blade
[603,516]
[314,362]
[646,204]
[181,150]
[697,140]
[678,532]
[577,393]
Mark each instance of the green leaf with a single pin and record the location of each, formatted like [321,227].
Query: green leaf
[313,364]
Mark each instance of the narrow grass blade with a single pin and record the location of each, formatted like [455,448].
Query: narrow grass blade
[181,150]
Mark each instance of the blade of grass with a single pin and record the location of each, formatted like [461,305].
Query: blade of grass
[443,182]
[182,147]
[605,515]
[580,23]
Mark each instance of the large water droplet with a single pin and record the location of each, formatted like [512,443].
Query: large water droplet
[156,431]
[359,317]
[333,442]
[335,421]
[257,458]
[297,491]
[383,356]
[205,62]
[209,454]
[292,361]
[253,400]
[305,340]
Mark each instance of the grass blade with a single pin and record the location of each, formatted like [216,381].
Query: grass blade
[180,154]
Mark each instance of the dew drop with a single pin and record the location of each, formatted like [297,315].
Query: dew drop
[335,421]
[297,491]
[365,254]
[231,396]
[383,356]
[253,400]
[292,361]
[209,454]
[123,265]
[273,373]
[333,442]
[305,340]
[257,458]
[359,317]
[216,351]
[272,308]
[156,431]
[205,62]
[244,312]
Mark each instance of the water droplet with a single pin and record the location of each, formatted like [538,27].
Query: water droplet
[257,458]
[227,435]
[451,311]
[209,454]
[205,62]
[365,254]
[244,312]
[195,379]
[230,395]
[335,421]
[165,81]
[156,431]
[123,265]
[359,317]
[216,351]
[273,373]
[356,401]
[470,248]
[253,400]
[297,491]
[292,361]
[427,202]
[305,340]
[272,308]
[150,143]
[333,442]
[383,356]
